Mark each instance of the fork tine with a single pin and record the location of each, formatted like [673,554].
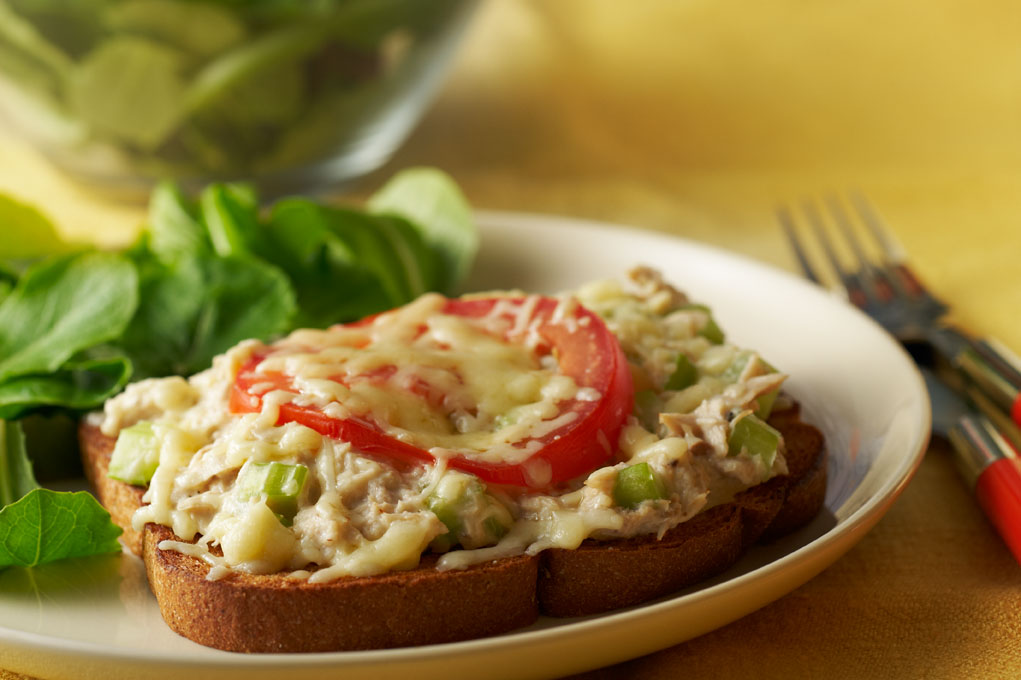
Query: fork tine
[893,252]
[850,281]
[783,215]
[878,282]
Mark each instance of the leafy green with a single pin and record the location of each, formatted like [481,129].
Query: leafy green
[38,525]
[318,258]
[78,385]
[431,199]
[220,87]
[198,307]
[174,227]
[46,526]
[16,478]
[131,89]
[231,214]
[22,34]
[199,27]
[61,306]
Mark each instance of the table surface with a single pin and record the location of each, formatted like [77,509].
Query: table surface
[697,118]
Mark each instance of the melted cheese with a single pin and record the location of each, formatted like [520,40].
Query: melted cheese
[452,386]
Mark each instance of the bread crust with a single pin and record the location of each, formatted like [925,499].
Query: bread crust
[274,613]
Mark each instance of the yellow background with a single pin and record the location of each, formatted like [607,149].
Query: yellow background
[698,117]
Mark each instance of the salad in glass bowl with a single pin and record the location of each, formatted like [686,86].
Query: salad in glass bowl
[287,93]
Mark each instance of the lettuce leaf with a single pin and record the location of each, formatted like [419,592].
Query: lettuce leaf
[61,306]
[39,525]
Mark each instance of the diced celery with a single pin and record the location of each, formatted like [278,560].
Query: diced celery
[136,455]
[637,483]
[647,407]
[685,374]
[279,483]
[754,436]
[710,331]
[766,402]
[473,517]
[736,367]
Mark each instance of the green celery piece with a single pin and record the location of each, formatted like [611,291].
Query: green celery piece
[63,305]
[197,307]
[449,503]
[736,367]
[78,385]
[685,374]
[19,33]
[635,484]
[204,29]
[710,331]
[433,203]
[766,402]
[131,89]
[647,407]
[318,259]
[16,476]
[232,218]
[174,228]
[279,483]
[25,232]
[754,436]
[46,526]
[136,455]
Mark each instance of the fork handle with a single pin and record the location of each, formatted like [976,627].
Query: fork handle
[992,368]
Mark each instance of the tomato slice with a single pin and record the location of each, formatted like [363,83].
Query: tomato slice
[585,350]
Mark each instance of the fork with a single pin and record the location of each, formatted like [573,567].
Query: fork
[985,440]
[886,289]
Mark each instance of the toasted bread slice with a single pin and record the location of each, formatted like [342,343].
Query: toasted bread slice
[275,613]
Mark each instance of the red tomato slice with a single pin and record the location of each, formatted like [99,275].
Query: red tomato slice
[585,350]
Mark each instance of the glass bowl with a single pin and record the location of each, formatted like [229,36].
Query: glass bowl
[285,93]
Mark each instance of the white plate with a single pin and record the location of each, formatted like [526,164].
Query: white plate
[98,620]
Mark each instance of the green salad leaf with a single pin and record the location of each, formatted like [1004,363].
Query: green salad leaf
[46,526]
[174,227]
[320,251]
[431,199]
[195,308]
[130,88]
[61,306]
[231,214]
[77,385]
[16,477]
[202,28]
[39,525]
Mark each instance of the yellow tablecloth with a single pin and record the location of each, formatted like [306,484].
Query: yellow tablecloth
[696,117]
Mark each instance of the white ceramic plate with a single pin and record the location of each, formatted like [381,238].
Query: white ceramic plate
[98,620]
